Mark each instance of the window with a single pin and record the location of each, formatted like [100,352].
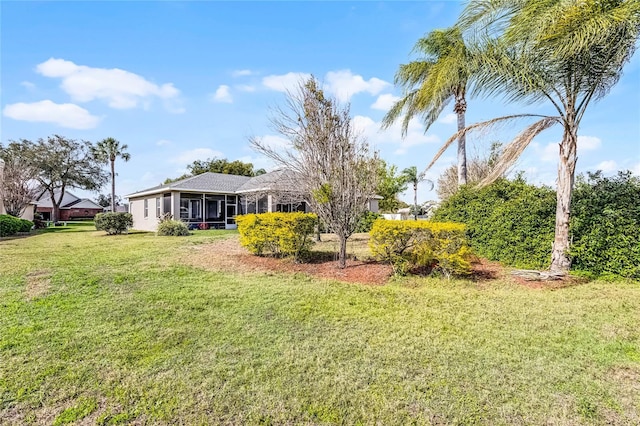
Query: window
[146,208]
[158,212]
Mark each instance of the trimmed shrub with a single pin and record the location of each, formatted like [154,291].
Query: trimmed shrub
[409,244]
[25,225]
[605,225]
[366,221]
[173,228]
[280,234]
[113,223]
[509,221]
[9,225]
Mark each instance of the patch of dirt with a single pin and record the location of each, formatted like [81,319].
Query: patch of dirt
[486,270]
[227,254]
[38,283]
[564,282]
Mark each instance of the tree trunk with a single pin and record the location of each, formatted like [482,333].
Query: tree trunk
[415,201]
[560,261]
[460,110]
[113,186]
[342,257]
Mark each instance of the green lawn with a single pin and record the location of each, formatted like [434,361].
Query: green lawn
[110,330]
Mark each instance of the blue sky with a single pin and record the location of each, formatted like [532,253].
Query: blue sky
[180,81]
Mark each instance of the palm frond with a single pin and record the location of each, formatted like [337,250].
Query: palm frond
[515,148]
[480,126]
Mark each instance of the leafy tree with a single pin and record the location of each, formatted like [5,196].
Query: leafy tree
[17,179]
[566,53]
[389,186]
[104,200]
[219,165]
[328,161]
[106,151]
[62,163]
[432,82]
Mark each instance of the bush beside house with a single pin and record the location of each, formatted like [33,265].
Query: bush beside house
[113,223]
[10,225]
[280,234]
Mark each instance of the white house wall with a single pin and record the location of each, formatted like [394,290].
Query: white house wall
[140,222]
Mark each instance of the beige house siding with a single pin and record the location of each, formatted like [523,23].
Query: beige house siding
[137,210]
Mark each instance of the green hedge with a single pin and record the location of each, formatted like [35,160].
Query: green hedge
[25,225]
[9,225]
[281,234]
[409,244]
[509,221]
[606,225]
[513,222]
[113,223]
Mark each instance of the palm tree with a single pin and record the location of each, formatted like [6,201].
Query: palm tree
[432,82]
[106,151]
[410,175]
[567,53]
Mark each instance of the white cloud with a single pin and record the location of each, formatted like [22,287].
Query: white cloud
[344,84]
[242,73]
[245,88]
[285,82]
[548,153]
[448,119]
[164,142]
[187,157]
[65,115]
[372,131]
[635,169]
[607,166]
[119,88]
[385,102]
[588,143]
[222,95]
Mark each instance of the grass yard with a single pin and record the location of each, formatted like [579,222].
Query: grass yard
[118,330]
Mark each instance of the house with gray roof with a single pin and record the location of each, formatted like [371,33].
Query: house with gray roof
[212,200]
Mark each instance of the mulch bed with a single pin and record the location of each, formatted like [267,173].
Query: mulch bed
[227,254]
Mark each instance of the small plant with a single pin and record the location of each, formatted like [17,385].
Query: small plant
[172,228]
[9,225]
[408,244]
[25,225]
[281,234]
[203,226]
[114,223]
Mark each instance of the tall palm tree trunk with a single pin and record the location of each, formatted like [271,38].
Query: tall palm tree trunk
[460,109]
[560,261]
[113,185]
[415,200]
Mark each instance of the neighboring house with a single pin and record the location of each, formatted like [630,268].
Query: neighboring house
[215,199]
[71,207]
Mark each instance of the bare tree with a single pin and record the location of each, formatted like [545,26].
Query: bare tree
[329,161]
[479,167]
[18,185]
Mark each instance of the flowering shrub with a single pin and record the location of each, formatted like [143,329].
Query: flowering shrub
[407,244]
[281,234]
